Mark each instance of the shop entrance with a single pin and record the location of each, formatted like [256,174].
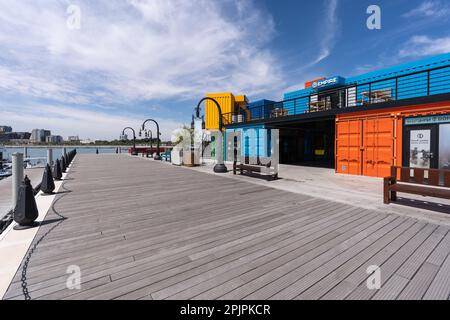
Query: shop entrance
[426,142]
[308,144]
[420,147]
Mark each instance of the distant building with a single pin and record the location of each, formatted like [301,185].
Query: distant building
[5,129]
[54,139]
[39,135]
[15,136]
[86,141]
[73,139]
[123,137]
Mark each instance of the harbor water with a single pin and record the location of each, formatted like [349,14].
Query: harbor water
[41,152]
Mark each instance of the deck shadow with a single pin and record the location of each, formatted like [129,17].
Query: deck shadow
[423,204]
[51,221]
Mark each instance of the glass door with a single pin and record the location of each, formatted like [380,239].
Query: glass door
[444,146]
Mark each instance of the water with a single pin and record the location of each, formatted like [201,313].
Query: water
[41,152]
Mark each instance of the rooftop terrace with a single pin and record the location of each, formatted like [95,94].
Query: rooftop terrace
[412,83]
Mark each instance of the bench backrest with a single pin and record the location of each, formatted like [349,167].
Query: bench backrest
[431,177]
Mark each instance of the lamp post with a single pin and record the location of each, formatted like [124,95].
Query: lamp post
[133,153]
[157,157]
[151,139]
[220,166]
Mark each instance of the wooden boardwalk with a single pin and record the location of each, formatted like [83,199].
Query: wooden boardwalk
[139,229]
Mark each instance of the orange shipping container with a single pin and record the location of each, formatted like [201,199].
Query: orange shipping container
[348,147]
[370,142]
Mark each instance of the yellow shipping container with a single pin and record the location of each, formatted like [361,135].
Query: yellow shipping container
[241,104]
[242,99]
[227,103]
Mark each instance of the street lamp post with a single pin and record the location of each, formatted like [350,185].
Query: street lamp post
[220,166]
[133,153]
[151,139]
[157,157]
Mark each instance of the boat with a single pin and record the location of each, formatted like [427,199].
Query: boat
[5,174]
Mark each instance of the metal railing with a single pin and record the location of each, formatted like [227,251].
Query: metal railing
[413,85]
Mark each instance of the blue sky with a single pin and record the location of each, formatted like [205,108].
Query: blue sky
[133,59]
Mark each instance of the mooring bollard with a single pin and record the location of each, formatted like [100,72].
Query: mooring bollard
[66,163]
[25,211]
[64,152]
[63,164]
[1,160]
[57,172]
[50,156]
[17,176]
[96,151]
[47,184]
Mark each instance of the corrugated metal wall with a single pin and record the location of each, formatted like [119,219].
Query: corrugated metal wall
[255,141]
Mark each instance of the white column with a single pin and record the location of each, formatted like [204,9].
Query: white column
[50,156]
[275,148]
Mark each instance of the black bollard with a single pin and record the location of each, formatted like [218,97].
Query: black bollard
[117,150]
[47,184]
[25,211]
[96,151]
[63,164]
[66,160]
[57,171]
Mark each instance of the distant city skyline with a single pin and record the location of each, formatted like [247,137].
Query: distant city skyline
[132,60]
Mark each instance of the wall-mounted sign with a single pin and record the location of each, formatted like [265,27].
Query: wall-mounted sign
[420,149]
[329,82]
[444,118]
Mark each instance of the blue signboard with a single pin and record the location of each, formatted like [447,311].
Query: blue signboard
[328,83]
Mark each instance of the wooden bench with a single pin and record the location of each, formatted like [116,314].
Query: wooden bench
[424,182]
[259,170]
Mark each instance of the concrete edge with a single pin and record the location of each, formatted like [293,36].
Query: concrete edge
[15,244]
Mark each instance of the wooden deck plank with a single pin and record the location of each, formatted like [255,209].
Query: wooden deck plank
[440,287]
[343,280]
[389,267]
[379,239]
[140,229]
[289,273]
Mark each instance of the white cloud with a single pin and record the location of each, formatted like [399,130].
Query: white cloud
[328,31]
[74,121]
[430,8]
[136,50]
[419,46]
[23,82]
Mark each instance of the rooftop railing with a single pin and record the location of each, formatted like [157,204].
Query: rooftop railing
[413,85]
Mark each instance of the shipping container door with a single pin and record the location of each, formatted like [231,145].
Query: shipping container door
[348,147]
[378,155]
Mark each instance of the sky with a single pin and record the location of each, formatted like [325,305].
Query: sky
[90,68]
